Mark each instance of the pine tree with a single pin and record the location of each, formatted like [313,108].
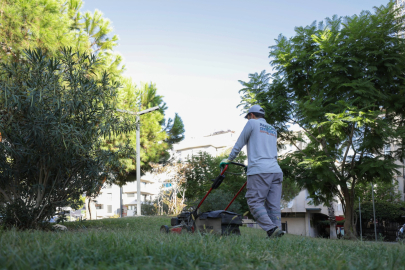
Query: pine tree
[32,24]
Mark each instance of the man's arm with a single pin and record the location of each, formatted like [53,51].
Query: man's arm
[242,140]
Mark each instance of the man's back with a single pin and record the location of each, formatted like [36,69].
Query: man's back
[261,141]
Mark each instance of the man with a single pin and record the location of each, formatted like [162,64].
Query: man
[264,176]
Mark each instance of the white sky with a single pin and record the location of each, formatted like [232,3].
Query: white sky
[196,51]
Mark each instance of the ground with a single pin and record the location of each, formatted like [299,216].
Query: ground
[136,243]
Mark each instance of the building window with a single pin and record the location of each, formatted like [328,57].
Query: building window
[387,149]
[130,195]
[109,209]
[99,206]
[109,196]
[131,207]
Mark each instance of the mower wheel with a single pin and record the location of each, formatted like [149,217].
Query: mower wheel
[164,229]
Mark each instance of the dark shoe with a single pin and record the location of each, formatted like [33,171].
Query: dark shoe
[275,232]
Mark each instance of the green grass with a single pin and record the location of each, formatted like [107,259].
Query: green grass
[136,243]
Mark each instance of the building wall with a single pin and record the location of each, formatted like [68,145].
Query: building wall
[107,203]
[214,144]
[295,225]
[401,188]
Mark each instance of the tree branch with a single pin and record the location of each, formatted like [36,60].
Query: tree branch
[5,195]
[348,147]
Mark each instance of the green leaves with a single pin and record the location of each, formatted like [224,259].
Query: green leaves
[342,84]
[52,125]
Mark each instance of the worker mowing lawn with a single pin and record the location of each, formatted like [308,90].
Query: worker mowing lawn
[264,175]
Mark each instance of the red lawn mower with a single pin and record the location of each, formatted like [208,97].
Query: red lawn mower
[220,222]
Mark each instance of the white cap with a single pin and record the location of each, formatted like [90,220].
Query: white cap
[255,109]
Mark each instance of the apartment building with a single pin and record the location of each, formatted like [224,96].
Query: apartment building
[215,144]
[300,215]
[107,203]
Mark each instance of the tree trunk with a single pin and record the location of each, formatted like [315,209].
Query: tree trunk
[88,207]
[350,230]
[332,220]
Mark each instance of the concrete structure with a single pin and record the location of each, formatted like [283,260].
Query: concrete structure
[400,4]
[299,216]
[401,176]
[107,203]
[215,144]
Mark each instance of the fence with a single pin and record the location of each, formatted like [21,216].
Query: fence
[386,230]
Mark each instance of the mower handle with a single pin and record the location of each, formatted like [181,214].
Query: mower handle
[216,184]
[233,163]
[239,164]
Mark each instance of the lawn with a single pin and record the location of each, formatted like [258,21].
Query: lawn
[136,243]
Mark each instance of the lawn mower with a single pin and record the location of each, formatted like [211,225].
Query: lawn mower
[220,222]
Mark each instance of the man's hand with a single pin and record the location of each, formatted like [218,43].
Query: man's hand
[223,163]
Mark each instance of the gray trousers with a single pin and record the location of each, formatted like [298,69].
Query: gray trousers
[263,197]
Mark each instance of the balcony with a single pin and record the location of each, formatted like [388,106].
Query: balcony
[146,189]
[133,200]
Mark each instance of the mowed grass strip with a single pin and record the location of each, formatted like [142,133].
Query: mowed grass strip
[136,243]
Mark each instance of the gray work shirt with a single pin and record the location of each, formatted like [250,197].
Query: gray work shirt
[261,141]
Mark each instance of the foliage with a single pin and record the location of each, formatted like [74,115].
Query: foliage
[78,203]
[204,168]
[151,133]
[150,209]
[218,200]
[383,191]
[383,211]
[387,200]
[33,24]
[53,113]
[52,24]
[128,242]
[175,130]
[173,175]
[342,83]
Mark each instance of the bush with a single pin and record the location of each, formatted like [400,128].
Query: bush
[53,113]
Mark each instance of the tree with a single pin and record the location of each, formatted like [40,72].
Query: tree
[32,24]
[173,175]
[342,83]
[387,198]
[53,112]
[204,167]
[219,200]
[383,191]
[52,24]
[156,139]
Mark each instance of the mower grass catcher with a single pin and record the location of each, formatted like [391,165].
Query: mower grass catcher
[219,222]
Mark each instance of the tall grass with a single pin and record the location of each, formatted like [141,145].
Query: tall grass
[136,243]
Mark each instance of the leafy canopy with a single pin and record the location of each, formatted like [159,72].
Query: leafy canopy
[342,83]
[53,114]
